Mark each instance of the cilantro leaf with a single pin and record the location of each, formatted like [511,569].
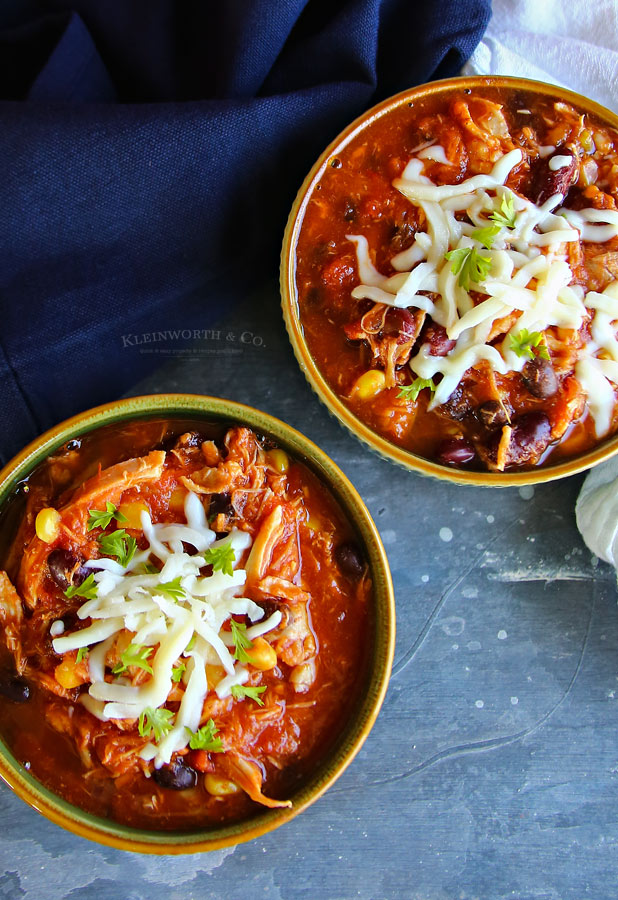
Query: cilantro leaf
[87,589]
[120,545]
[241,642]
[411,391]
[525,343]
[486,236]
[134,655]
[82,653]
[191,643]
[172,589]
[101,519]
[221,558]
[470,265]
[177,672]
[150,569]
[204,738]
[155,720]
[239,691]
[506,216]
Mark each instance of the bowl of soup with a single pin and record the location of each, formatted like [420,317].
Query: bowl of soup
[196,623]
[449,280]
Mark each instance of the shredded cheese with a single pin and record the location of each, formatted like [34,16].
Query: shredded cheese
[529,275]
[168,618]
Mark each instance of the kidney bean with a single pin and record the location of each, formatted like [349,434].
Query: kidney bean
[401,236]
[455,452]
[548,182]
[530,437]
[399,321]
[539,378]
[177,776]
[350,560]
[64,567]
[439,341]
[14,688]
[491,413]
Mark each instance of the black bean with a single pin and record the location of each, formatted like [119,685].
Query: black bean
[62,568]
[350,212]
[177,776]
[220,503]
[539,378]
[455,452]
[350,560]
[491,413]
[14,688]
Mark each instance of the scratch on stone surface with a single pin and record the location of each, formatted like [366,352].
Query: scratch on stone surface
[541,574]
[409,655]
[474,747]
[43,874]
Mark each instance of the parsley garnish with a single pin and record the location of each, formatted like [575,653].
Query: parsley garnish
[82,653]
[221,558]
[120,545]
[506,216]
[157,720]
[172,589]
[134,655]
[241,642]
[99,519]
[204,738]
[150,569]
[486,236]
[191,643]
[411,391]
[239,691]
[470,265]
[178,672]
[87,589]
[525,343]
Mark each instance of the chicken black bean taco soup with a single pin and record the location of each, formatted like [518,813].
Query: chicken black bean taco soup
[456,270]
[184,613]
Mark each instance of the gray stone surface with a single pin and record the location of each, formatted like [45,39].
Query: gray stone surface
[492,771]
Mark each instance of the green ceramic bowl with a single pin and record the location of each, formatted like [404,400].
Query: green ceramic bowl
[209,409]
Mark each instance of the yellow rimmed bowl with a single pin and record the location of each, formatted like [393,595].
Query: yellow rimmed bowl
[293,321]
[209,410]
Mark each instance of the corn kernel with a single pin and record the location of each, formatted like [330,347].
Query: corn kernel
[314,523]
[219,787]
[586,141]
[261,655]
[214,674]
[132,512]
[177,499]
[369,384]
[279,460]
[47,524]
[67,674]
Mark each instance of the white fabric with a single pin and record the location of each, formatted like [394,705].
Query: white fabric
[572,44]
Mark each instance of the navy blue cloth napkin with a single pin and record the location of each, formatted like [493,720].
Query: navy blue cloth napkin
[150,151]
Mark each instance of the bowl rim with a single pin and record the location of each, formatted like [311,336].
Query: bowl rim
[289,300]
[123,837]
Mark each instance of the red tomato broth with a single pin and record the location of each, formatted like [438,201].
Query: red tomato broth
[290,749]
[355,195]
